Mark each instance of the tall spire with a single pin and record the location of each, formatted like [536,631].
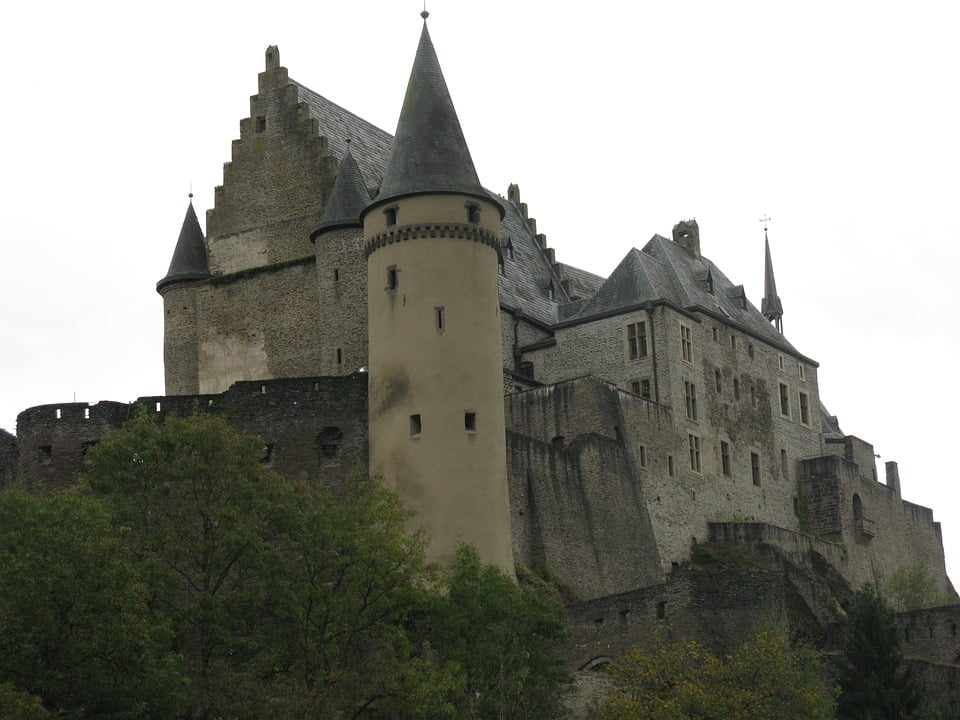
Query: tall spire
[190,256]
[348,197]
[771,307]
[430,154]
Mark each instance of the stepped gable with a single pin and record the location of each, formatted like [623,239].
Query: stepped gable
[371,145]
[348,198]
[430,154]
[190,256]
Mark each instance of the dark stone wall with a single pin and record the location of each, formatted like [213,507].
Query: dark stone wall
[312,427]
[8,458]
[821,493]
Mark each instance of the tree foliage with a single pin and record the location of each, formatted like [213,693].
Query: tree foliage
[875,682]
[506,636]
[766,678]
[914,587]
[75,627]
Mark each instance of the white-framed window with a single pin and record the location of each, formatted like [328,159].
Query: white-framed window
[690,399]
[803,401]
[693,442]
[637,340]
[686,343]
[784,400]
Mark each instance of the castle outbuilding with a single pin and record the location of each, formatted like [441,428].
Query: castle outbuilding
[361,298]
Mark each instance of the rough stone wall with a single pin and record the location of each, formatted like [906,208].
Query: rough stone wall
[276,183]
[341,273]
[313,427]
[932,634]
[719,609]
[881,531]
[258,325]
[8,458]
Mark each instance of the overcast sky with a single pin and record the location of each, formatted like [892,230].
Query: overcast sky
[839,120]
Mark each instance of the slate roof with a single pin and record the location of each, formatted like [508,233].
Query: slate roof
[348,198]
[429,152]
[770,306]
[189,260]
[665,271]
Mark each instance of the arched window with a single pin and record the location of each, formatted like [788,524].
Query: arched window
[857,507]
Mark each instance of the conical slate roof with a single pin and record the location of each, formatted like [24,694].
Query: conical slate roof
[348,198]
[429,152]
[770,306]
[190,256]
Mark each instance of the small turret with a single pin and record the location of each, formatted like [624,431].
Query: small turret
[189,261]
[342,273]
[771,307]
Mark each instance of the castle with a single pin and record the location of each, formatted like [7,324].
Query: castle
[360,298]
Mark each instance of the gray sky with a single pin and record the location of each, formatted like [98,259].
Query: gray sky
[837,119]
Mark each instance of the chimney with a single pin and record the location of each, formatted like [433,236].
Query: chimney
[686,233]
[893,476]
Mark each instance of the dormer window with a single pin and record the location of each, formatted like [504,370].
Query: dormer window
[473,213]
[391,216]
[508,247]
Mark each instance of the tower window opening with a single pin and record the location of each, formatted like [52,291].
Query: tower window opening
[339,356]
[416,427]
[45,454]
[473,213]
[736,388]
[718,380]
[440,319]
[670,469]
[393,278]
[261,123]
[336,275]
[391,216]
[755,468]
[725,457]
[470,422]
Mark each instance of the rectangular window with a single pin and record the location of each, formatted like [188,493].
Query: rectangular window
[755,468]
[686,343]
[801,371]
[261,123]
[637,340]
[733,342]
[718,380]
[784,400]
[780,361]
[690,397]
[804,408]
[750,350]
[670,465]
[725,457]
[339,356]
[439,318]
[336,275]
[416,427]
[470,422]
[391,216]
[393,278]
[642,451]
[645,388]
[716,333]
[736,388]
[694,443]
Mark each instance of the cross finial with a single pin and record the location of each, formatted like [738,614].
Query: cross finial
[765,219]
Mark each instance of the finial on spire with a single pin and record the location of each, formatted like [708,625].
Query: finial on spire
[424,14]
[765,219]
[771,307]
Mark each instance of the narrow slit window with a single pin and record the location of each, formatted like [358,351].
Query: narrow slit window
[336,275]
[470,422]
[393,278]
[755,468]
[439,319]
[416,427]
[339,356]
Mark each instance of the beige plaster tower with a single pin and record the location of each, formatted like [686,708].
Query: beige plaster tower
[436,375]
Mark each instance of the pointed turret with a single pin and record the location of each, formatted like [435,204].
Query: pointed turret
[348,198]
[190,256]
[771,307]
[430,154]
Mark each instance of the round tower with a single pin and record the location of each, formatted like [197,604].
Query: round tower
[436,372]
[342,273]
[180,289]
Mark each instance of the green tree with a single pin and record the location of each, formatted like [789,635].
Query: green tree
[507,637]
[75,628]
[875,682]
[766,678]
[914,587]
[18,705]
